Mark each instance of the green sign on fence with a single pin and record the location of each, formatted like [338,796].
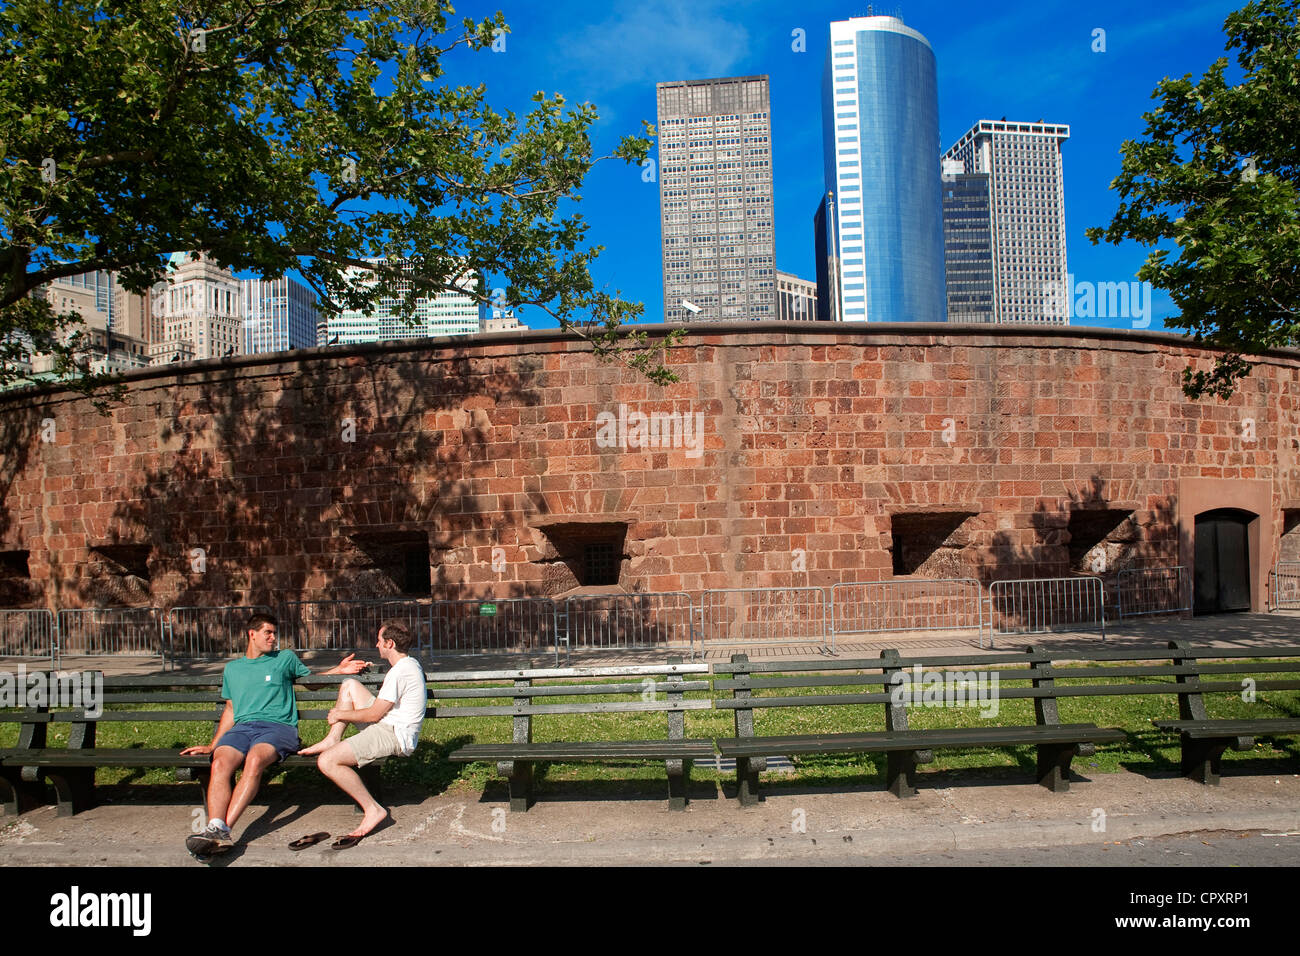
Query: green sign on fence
[487,610]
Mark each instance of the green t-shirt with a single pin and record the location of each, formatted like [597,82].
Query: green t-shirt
[261,688]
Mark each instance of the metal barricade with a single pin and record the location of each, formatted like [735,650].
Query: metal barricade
[117,631]
[493,626]
[1035,605]
[921,604]
[194,633]
[763,616]
[350,625]
[1286,585]
[629,621]
[27,633]
[1153,591]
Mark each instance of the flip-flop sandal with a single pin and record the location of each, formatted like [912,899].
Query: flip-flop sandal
[309,840]
[348,842]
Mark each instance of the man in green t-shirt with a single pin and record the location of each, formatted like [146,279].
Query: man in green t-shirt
[258,728]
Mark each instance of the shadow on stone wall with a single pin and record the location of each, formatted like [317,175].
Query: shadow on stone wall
[315,481]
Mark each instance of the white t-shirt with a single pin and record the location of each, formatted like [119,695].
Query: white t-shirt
[404,686]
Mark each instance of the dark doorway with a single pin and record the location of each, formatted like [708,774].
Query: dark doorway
[1222,561]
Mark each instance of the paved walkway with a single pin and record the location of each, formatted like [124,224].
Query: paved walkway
[957,817]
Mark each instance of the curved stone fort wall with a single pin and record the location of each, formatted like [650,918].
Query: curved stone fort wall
[518,464]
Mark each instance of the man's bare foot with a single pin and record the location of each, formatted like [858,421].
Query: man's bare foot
[369,821]
[319,748]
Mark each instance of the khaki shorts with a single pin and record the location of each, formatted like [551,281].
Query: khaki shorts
[373,743]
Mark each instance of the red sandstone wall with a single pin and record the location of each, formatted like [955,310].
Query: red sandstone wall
[812,440]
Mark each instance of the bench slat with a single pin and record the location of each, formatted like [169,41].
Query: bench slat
[533,710]
[575,690]
[919,739]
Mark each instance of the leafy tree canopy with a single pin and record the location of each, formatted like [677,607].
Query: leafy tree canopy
[276,135]
[1218,172]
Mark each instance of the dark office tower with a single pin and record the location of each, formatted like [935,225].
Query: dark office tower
[967,245]
[715,199]
[880,119]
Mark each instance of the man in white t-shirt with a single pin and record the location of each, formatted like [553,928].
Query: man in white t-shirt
[391,725]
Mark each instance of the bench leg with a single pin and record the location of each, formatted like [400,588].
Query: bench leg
[747,770]
[677,776]
[900,772]
[1054,766]
[519,774]
[74,789]
[18,795]
[1202,759]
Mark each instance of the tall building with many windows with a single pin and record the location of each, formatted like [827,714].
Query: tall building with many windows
[446,313]
[279,314]
[882,210]
[1026,214]
[715,199]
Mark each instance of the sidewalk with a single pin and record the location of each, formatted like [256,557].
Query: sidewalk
[956,813]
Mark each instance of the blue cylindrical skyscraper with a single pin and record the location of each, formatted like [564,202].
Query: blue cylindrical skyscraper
[884,211]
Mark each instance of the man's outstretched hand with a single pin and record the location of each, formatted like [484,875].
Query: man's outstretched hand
[192,751]
[350,665]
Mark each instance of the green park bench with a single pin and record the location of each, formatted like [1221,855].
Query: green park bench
[71,768]
[639,692]
[845,683]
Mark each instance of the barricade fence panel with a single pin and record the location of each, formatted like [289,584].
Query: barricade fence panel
[197,632]
[1153,591]
[628,621]
[117,631]
[493,626]
[1286,585]
[763,616]
[923,604]
[350,625]
[722,616]
[1036,605]
[27,633]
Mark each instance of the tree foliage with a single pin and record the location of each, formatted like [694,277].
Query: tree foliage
[276,135]
[1217,172]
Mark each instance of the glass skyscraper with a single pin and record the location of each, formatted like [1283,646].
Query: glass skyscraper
[883,209]
[279,314]
[968,245]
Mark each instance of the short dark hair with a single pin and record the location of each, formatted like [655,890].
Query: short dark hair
[398,633]
[256,621]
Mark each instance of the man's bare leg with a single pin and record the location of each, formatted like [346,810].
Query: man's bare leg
[225,761]
[353,695]
[259,758]
[338,764]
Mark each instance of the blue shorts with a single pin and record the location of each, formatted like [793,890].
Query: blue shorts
[280,736]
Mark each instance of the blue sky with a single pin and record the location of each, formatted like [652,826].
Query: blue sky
[1025,61]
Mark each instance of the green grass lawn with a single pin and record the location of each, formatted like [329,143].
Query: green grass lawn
[1145,749]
